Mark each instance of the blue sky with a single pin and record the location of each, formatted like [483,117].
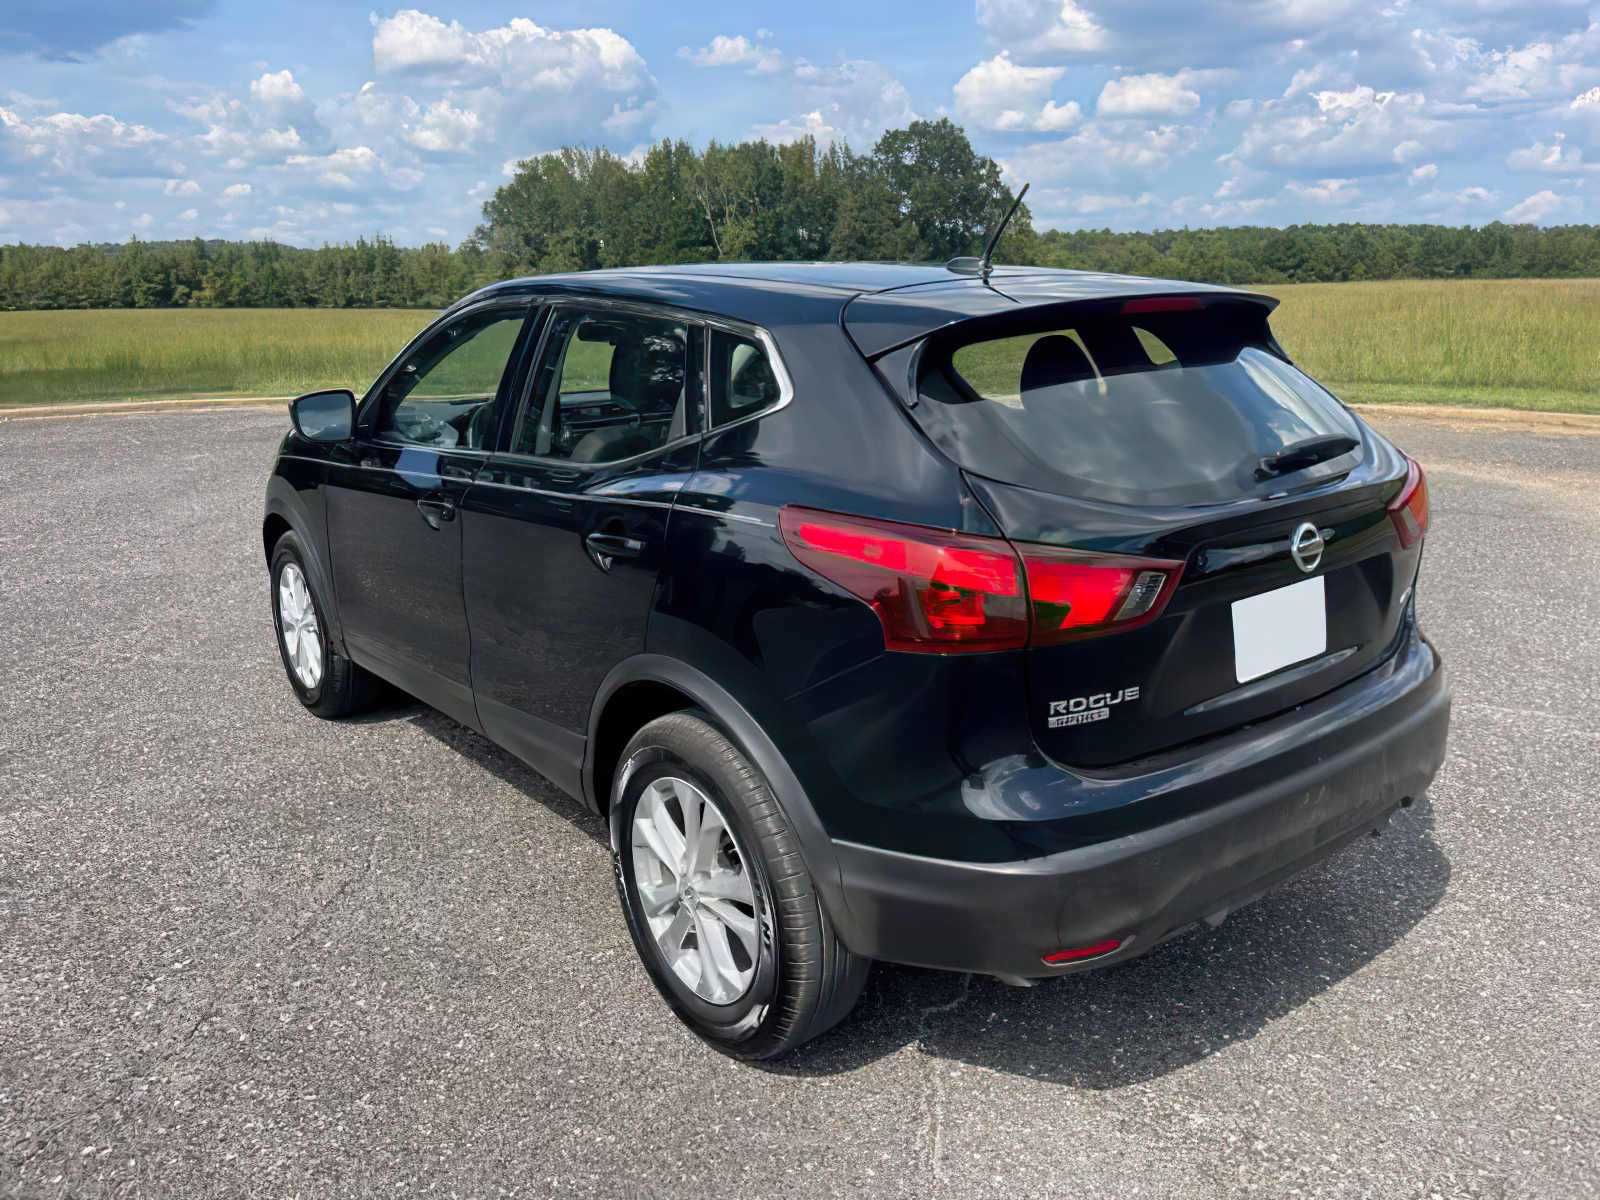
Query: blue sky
[315,121]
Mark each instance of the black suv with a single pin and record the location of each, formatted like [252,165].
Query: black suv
[1004,623]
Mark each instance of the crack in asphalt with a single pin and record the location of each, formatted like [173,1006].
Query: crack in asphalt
[933,1097]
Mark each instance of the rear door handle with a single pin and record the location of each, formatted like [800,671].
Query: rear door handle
[436,512]
[604,547]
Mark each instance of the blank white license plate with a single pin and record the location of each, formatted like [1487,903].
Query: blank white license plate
[1280,627]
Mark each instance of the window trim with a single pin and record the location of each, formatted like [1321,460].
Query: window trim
[367,409]
[706,321]
[774,360]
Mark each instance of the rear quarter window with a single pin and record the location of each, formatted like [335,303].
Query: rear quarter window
[1167,408]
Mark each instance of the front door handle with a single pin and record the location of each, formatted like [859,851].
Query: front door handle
[436,512]
[605,548]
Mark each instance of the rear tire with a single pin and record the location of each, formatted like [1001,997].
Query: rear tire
[325,681]
[801,980]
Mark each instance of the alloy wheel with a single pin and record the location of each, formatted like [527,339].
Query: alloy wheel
[297,622]
[696,890]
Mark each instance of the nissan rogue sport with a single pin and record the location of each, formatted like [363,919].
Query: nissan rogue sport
[1006,623]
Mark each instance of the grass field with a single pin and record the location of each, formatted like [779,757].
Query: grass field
[120,354]
[1517,343]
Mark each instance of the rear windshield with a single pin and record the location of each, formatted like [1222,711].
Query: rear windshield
[1165,408]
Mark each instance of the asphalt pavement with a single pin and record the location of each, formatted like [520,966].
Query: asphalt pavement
[247,952]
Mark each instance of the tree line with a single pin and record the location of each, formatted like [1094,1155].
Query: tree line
[922,194]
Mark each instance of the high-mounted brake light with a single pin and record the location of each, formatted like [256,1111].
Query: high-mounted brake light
[940,592]
[1409,510]
[1162,304]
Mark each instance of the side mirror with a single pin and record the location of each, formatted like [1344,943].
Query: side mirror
[324,416]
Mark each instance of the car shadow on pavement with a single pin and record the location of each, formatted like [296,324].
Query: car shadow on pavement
[502,764]
[1185,1000]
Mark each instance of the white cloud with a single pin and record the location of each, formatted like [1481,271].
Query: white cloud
[515,79]
[277,88]
[1325,191]
[1232,210]
[1094,203]
[1359,130]
[1096,151]
[73,144]
[1467,197]
[1071,206]
[792,129]
[1542,70]
[180,187]
[445,129]
[519,55]
[351,168]
[278,121]
[1424,173]
[1537,208]
[189,214]
[855,100]
[1556,158]
[339,169]
[1036,28]
[736,51]
[998,94]
[1307,16]
[236,191]
[1305,79]
[1148,96]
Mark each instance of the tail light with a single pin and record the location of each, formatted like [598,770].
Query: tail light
[1409,510]
[1073,594]
[941,592]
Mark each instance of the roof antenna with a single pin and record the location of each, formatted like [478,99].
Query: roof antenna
[967,265]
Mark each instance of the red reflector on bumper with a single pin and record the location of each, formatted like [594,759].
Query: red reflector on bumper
[1078,953]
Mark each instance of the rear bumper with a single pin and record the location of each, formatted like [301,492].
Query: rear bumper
[1376,745]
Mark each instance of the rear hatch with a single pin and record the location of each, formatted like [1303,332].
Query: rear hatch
[1207,533]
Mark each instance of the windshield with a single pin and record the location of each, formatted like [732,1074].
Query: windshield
[1160,409]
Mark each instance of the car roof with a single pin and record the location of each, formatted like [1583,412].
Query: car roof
[882,305]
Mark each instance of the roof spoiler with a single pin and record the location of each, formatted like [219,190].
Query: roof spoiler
[879,322]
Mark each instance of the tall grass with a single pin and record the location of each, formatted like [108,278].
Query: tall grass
[48,357]
[1526,343]
[1522,343]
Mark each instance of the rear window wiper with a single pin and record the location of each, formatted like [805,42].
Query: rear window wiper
[1307,453]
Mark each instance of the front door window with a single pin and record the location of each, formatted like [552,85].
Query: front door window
[444,394]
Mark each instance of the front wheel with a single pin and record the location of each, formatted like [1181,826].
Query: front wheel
[722,910]
[325,681]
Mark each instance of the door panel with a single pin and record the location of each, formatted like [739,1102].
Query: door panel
[395,496]
[560,572]
[397,567]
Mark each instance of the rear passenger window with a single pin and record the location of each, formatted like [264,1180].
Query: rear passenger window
[610,385]
[743,381]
